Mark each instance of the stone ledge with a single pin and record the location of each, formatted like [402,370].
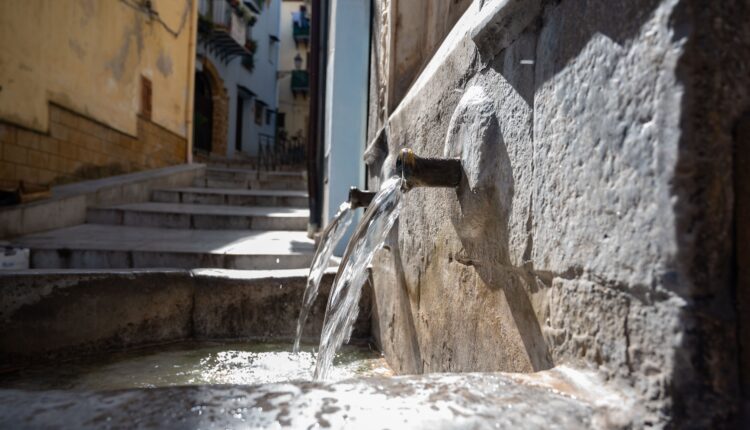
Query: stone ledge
[500,22]
[59,314]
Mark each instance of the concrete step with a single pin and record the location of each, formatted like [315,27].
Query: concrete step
[200,216]
[250,165]
[234,173]
[232,197]
[254,184]
[93,246]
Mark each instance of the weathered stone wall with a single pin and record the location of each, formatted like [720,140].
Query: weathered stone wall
[594,221]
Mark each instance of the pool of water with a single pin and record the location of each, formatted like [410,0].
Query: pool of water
[194,363]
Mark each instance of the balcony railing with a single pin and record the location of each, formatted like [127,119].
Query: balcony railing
[280,154]
[301,32]
[222,30]
[300,82]
[301,26]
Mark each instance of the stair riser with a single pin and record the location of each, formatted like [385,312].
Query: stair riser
[228,199]
[193,221]
[96,259]
[250,184]
[217,174]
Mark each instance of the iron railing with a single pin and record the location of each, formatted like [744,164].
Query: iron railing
[300,81]
[276,154]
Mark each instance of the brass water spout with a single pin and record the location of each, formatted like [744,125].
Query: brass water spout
[427,172]
[359,198]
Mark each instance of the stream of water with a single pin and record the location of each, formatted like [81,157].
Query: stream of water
[328,241]
[343,302]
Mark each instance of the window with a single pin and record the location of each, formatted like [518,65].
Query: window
[259,112]
[280,120]
[269,116]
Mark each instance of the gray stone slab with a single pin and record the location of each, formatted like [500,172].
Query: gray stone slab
[269,184]
[233,197]
[68,203]
[201,216]
[48,315]
[54,314]
[101,246]
[253,174]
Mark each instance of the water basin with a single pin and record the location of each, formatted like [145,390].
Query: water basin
[194,363]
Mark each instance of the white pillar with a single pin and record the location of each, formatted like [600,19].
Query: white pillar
[346,103]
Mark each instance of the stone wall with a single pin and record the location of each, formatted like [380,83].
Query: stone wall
[594,222]
[77,148]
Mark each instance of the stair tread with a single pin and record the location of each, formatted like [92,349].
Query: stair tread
[239,191]
[147,239]
[204,209]
[295,175]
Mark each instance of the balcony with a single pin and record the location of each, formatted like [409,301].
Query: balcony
[222,30]
[300,82]
[301,26]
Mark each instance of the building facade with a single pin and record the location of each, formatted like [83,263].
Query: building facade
[236,85]
[94,88]
[293,74]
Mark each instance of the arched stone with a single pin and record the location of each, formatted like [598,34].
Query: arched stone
[220,109]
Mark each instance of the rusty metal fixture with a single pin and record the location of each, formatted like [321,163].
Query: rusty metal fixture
[359,198]
[427,172]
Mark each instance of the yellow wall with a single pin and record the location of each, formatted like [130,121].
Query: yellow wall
[297,109]
[88,56]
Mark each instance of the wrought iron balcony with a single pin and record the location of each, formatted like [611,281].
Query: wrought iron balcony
[300,82]
[222,30]
[301,26]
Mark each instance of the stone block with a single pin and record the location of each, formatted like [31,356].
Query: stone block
[49,145]
[60,315]
[166,196]
[15,154]
[221,222]
[263,307]
[38,159]
[27,139]
[104,216]
[8,171]
[7,133]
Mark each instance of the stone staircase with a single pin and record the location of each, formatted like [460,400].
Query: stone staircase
[233,218]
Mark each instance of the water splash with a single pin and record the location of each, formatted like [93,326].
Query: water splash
[343,302]
[331,236]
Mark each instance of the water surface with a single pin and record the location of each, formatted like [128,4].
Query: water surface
[194,363]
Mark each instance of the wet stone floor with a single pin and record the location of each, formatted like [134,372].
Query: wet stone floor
[194,363]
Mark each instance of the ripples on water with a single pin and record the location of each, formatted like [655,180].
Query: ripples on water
[343,302]
[328,241]
[193,363]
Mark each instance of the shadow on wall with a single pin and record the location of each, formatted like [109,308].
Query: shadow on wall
[488,193]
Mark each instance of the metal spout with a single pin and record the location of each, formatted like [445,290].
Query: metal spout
[427,172]
[359,198]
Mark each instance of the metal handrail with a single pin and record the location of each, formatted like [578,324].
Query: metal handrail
[274,154]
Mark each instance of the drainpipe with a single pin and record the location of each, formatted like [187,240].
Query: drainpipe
[317,56]
[191,80]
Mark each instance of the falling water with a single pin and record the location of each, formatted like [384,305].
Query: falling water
[331,236]
[343,303]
